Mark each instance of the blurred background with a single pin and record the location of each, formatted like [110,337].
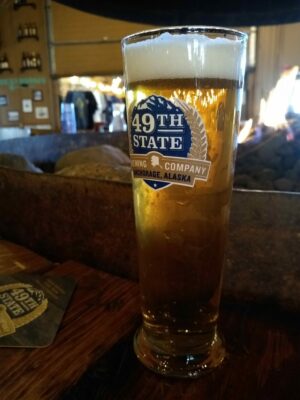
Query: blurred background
[51,53]
[61,72]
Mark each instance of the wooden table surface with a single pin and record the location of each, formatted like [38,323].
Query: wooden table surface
[92,357]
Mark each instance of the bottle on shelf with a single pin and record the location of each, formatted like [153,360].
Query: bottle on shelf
[33,60]
[25,31]
[21,3]
[20,32]
[28,60]
[5,62]
[24,61]
[39,61]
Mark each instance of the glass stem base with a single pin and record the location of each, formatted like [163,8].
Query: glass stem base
[187,365]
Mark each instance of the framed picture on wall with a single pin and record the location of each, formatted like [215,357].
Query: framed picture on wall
[37,95]
[13,116]
[41,112]
[3,100]
[27,106]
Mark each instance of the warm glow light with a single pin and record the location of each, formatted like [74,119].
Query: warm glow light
[116,82]
[74,80]
[272,112]
[105,88]
[87,82]
[245,131]
[140,96]
[116,87]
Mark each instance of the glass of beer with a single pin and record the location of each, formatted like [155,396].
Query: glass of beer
[183,96]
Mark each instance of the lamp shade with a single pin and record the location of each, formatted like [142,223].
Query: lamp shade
[194,12]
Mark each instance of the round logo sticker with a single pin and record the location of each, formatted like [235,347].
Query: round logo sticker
[20,303]
[168,143]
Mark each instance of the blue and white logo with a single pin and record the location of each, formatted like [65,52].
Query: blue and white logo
[173,130]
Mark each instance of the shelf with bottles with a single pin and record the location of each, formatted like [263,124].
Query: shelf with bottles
[23,3]
[31,61]
[27,31]
[4,64]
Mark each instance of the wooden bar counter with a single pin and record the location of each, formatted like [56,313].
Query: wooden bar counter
[92,357]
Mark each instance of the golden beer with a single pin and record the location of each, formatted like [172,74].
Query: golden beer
[182,227]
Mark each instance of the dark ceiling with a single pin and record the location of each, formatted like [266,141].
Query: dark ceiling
[194,12]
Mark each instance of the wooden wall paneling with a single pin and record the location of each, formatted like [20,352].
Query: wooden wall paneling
[10,20]
[91,60]
[6,47]
[77,42]
[85,44]
[73,25]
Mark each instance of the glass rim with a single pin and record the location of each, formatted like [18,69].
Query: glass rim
[184,29]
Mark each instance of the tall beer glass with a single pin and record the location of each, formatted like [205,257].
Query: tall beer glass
[183,96]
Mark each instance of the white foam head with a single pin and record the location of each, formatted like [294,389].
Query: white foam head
[170,56]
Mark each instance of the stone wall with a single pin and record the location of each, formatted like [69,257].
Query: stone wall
[270,162]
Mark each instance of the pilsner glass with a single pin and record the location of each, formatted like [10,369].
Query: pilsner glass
[183,97]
